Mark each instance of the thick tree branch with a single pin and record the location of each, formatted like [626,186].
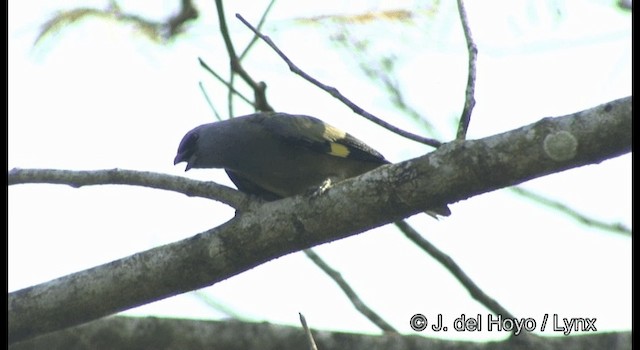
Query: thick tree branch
[456,171]
[164,334]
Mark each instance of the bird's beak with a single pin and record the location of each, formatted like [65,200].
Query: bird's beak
[181,158]
[178,159]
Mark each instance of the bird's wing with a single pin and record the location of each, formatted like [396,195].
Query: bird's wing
[316,135]
[247,186]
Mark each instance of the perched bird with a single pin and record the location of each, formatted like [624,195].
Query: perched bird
[276,155]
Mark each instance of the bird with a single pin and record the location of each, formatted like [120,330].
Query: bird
[275,155]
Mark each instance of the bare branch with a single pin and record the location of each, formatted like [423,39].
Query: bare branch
[380,70]
[175,24]
[349,292]
[155,30]
[335,93]
[469,96]
[259,95]
[563,208]
[224,82]
[259,26]
[456,171]
[307,331]
[259,88]
[233,57]
[455,270]
[169,333]
[192,188]
[214,304]
[206,97]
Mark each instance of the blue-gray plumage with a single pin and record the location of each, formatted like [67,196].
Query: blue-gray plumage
[275,155]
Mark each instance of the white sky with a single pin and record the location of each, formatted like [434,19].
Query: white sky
[99,96]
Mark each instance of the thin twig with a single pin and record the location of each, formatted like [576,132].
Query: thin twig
[455,270]
[255,38]
[224,82]
[232,83]
[613,227]
[398,100]
[336,94]
[260,94]
[351,294]
[379,71]
[469,95]
[259,88]
[206,97]
[216,305]
[473,289]
[233,58]
[307,331]
[189,187]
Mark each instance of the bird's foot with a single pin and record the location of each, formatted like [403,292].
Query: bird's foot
[318,191]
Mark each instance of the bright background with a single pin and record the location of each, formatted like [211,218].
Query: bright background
[100,95]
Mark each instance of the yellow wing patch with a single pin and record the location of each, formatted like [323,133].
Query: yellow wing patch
[339,150]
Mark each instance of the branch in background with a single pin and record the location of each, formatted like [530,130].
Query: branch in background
[192,188]
[260,97]
[214,304]
[563,208]
[335,93]
[259,88]
[469,99]
[224,82]
[350,293]
[455,270]
[380,71]
[233,57]
[158,31]
[175,24]
[307,331]
[206,97]
[624,5]
[259,26]
[168,333]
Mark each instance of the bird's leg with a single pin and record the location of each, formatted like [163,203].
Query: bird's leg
[317,191]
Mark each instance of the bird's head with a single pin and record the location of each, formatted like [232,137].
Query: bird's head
[187,151]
